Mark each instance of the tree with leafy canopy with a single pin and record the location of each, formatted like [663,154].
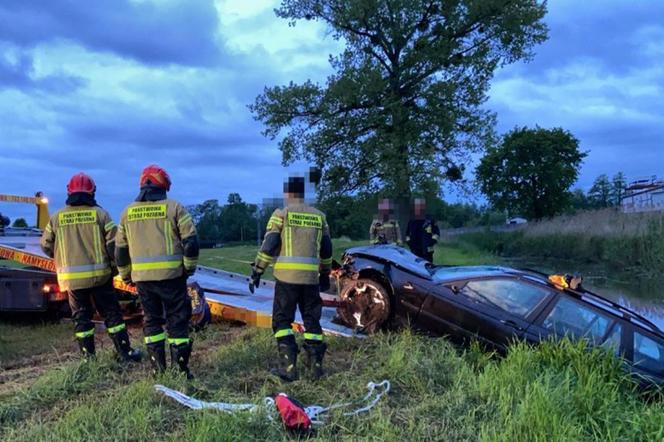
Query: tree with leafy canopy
[20,223]
[618,185]
[207,218]
[579,201]
[235,221]
[600,193]
[349,215]
[404,104]
[4,221]
[530,173]
[238,220]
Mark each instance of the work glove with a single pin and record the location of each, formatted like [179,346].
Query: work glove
[127,279]
[255,281]
[324,282]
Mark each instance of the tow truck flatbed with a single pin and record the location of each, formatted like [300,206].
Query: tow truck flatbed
[226,293]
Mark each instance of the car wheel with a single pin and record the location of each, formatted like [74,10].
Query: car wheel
[366,305]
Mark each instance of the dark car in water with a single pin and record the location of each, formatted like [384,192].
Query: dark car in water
[383,285]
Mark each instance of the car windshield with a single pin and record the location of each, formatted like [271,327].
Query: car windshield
[514,296]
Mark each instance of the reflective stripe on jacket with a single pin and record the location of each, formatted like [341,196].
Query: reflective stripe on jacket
[298,230]
[153,232]
[385,232]
[77,238]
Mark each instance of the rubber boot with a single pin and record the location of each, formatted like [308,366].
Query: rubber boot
[157,354]
[314,358]
[180,358]
[87,346]
[287,370]
[122,346]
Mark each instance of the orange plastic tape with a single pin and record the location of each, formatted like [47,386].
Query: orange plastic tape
[27,259]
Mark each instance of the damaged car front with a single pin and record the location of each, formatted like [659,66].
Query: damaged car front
[379,286]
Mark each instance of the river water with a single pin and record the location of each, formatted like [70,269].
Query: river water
[644,295]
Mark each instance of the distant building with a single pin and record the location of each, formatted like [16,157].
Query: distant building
[644,195]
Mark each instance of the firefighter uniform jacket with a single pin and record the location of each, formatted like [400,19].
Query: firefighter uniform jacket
[153,232]
[422,235]
[385,232]
[299,238]
[79,239]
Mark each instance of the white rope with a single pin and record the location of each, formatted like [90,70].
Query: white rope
[315,412]
[378,390]
[196,404]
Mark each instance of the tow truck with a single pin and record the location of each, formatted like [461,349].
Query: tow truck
[32,287]
[215,293]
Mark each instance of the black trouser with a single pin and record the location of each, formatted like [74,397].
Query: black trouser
[288,297]
[167,298]
[84,302]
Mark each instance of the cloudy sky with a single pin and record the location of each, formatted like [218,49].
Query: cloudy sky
[108,86]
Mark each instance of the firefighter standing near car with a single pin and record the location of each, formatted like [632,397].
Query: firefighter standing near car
[299,238]
[422,233]
[81,237]
[157,249]
[385,229]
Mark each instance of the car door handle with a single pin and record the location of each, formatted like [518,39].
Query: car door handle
[408,286]
[510,323]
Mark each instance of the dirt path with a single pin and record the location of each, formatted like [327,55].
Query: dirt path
[23,372]
[20,373]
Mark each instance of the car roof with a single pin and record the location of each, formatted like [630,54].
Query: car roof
[410,262]
[394,254]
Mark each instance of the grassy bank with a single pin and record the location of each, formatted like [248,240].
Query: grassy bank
[632,242]
[556,392]
[559,392]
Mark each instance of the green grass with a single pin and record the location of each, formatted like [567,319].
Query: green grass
[462,253]
[20,339]
[559,392]
[238,259]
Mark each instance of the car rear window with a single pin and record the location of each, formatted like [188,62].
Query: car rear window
[571,318]
[648,354]
[516,297]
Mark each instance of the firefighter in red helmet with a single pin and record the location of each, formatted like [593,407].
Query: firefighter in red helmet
[80,237]
[157,249]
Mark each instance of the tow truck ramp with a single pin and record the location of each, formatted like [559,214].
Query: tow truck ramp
[226,293]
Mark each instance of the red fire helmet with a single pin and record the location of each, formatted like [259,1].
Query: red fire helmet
[156,176]
[81,183]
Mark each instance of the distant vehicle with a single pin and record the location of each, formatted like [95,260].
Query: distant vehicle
[517,220]
[384,285]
